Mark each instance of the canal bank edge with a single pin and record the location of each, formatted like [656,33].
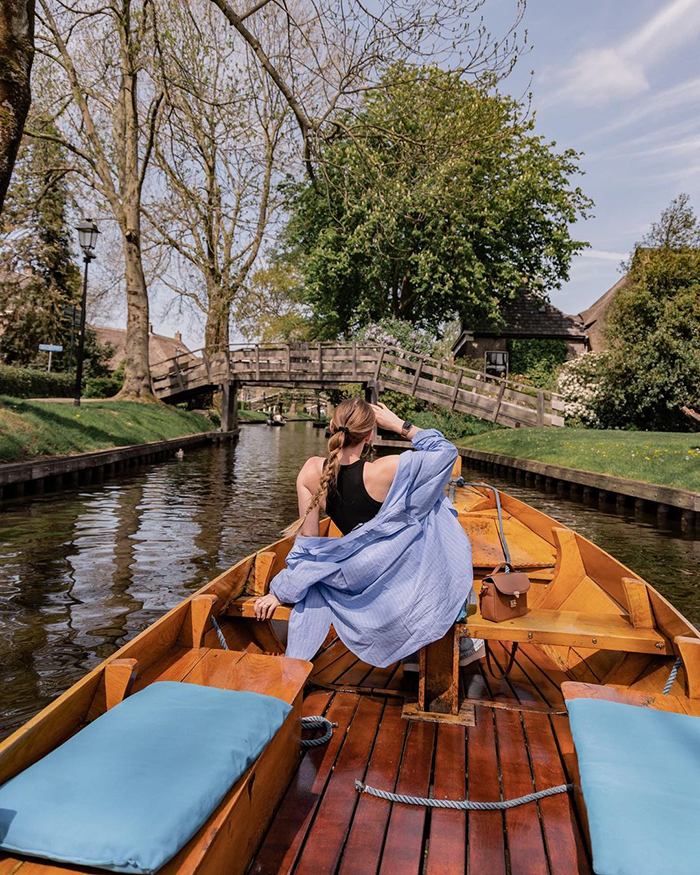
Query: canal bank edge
[605,487]
[53,473]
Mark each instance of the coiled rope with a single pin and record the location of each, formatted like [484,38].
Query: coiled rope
[315,723]
[462,804]
[306,722]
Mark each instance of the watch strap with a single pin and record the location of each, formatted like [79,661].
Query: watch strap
[406,427]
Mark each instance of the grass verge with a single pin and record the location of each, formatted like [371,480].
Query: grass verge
[48,428]
[664,458]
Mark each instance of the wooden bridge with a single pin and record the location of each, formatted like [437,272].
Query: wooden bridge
[329,365]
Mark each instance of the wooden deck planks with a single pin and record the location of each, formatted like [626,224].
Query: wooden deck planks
[448,828]
[284,839]
[524,834]
[325,840]
[366,838]
[564,844]
[486,846]
[403,848]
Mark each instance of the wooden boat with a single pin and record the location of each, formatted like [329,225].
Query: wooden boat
[275,422]
[591,621]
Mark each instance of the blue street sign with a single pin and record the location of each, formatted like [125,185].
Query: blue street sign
[48,347]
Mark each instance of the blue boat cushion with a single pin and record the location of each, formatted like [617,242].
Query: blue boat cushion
[640,776]
[130,789]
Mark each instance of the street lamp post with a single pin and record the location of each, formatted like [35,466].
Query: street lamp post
[87,237]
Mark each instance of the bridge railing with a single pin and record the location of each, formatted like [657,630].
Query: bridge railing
[318,365]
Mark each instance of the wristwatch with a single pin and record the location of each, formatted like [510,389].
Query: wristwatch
[405,428]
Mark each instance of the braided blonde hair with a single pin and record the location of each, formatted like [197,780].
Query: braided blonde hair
[352,421]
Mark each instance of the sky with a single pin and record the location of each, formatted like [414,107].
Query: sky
[618,80]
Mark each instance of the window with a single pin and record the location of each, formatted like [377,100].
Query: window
[496,363]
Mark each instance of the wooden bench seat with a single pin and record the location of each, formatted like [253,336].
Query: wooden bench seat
[572,628]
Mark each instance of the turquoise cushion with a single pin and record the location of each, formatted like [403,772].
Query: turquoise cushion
[640,776]
[129,790]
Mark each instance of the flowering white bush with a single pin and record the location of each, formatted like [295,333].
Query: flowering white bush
[398,332]
[581,388]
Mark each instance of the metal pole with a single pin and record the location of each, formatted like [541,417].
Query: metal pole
[81,339]
[72,338]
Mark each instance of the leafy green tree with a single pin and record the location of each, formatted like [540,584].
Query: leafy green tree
[437,199]
[42,279]
[651,368]
[537,359]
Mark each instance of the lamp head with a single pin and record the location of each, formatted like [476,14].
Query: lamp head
[87,235]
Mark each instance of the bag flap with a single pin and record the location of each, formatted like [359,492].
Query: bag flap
[508,583]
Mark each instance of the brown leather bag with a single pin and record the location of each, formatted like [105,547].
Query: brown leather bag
[503,595]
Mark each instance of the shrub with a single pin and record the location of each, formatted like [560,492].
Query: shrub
[581,388]
[31,383]
[102,387]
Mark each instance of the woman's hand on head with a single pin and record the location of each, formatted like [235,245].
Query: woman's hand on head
[265,606]
[386,419]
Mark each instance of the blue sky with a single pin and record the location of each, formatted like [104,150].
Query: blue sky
[620,81]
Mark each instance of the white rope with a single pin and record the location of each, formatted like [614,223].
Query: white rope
[462,804]
[314,723]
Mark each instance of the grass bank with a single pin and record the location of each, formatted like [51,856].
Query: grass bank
[49,428]
[664,458]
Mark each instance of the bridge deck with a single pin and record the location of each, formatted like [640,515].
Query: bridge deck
[322,366]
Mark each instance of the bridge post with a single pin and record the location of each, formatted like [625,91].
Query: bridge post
[229,405]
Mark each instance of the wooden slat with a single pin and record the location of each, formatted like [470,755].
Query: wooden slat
[404,838]
[525,840]
[572,628]
[486,845]
[282,844]
[565,846]
[324,843]
[448,828]
[366,838]
[117,679]
[638,603]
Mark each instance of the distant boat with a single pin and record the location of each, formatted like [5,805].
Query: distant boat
[276,422]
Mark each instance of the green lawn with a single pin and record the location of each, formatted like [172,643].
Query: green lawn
[49,428]
[666,458]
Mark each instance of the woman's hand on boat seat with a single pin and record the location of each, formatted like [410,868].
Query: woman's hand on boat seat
[265,606]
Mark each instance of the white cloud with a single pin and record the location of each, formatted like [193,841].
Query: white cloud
[603,75]
[604,255]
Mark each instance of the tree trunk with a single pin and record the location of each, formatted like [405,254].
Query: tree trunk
[16,56]
[137,377]
[216,332]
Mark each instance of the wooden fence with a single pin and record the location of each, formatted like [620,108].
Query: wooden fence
[327,365]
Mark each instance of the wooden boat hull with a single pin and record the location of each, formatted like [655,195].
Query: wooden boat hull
[569,575]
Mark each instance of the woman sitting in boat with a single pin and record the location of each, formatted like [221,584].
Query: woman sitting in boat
[401,574]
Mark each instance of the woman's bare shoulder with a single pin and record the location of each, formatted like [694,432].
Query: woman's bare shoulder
[385,467]
[311,469]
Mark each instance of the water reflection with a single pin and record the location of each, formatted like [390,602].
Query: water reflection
[82,572]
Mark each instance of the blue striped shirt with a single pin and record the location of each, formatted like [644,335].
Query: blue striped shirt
[392,585]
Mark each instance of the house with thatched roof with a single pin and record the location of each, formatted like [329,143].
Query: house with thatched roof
[160,347]
[524,318]
[593,318]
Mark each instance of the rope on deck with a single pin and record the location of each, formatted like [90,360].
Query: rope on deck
[671,678]
[462,804]
[219,633]
[315,723]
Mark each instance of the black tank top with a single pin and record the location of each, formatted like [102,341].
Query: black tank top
[349,504]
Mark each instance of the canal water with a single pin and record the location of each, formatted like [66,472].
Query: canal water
[82,572]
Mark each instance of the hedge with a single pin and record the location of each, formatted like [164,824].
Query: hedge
[102,387]
[31,383]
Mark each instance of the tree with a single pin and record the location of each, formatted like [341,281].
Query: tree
[651,367]
[447,204]
[333,53]
[96,76]
[271,306]
[17,54]
[218,152]
[43,279]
